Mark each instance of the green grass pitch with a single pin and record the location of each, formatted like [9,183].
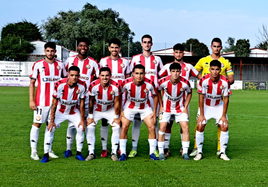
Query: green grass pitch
[247,149]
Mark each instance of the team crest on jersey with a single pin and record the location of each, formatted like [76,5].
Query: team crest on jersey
[185,69]
[155,62]
[58,67]
[122,65]
[88,66]
[112,92]
[221,87]
[181,89]
[38,118]
[146,90]
[78,91]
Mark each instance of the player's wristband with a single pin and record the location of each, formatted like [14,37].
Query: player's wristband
[116,116]
[90,116]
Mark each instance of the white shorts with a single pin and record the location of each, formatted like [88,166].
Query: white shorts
[214,112]
[73,119]
[151,99]
[41,114]
[109,115]
[165,117]
[130,113]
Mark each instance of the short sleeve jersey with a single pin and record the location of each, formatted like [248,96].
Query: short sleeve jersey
[104,98]
[187,70]
[174,95]
[68,96]
[46,74]
[137,96]
[152,65]
[204,64]
[119,68]
[214,92]
[89,68]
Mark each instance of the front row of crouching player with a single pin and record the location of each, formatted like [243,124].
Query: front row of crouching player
[106,103]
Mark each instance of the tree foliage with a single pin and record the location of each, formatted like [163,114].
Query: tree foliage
[15,48]
[231,45]
[24,29]
[97,25]
[242,48]
[199,49]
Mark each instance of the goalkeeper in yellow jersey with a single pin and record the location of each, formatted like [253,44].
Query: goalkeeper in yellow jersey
[226,70]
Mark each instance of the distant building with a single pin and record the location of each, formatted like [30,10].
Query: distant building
[254,52]
[62,53]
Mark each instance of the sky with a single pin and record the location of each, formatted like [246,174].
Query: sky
[167,21]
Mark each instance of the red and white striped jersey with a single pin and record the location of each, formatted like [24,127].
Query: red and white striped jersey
[187,70]
[46,74]
[68,96]
[152,65]
[214,92]
[119,68]
[89,68]
[137,96]
[174,96]
[104,98]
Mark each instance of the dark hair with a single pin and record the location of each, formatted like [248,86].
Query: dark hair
[50,44]
[146,36]
[74,68]
[216,40]
[215,63]
[105,69]
[175,66]
[86,40]
[138,66]
[178,47]
[115,41]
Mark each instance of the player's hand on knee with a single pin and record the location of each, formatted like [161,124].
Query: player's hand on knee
[116,120]
[90,120]
[82,124]
[201,120]
[50,126]
[223,121]
[185,110]
[32,105]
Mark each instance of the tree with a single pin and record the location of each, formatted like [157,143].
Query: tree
[26,30]
[231,45]
[242,48]
[262,45]
[15,48]
[199,49]
[97,25]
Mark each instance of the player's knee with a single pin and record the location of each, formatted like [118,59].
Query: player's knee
[38,125]
[91,126]
[161,132]
[151,128]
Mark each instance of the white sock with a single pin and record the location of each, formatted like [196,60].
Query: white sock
[104,136]
[123,145]
[48,139]
[34,135]
[199,138]
[91,138]
[167,140]
[70,137]
[152,145]
[224,141]
[161,147]
[135,133]
[185,146]
[115,138]
[79,139]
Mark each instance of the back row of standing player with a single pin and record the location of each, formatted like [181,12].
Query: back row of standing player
[49,70]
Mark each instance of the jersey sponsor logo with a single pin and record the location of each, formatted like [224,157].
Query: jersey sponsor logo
[88,66]
[50,79]
[150,72]
[38,118]
[173,98]
[84,77]
[122,65]
[138,100]
[69,102]
[105,102]
[213,97]
[117,77]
